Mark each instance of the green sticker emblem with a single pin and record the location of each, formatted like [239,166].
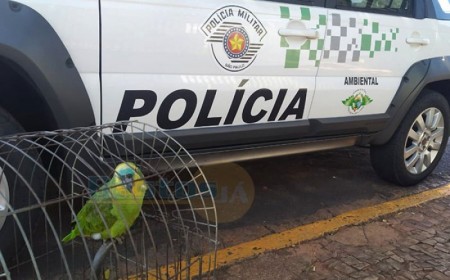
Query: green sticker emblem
[357,101]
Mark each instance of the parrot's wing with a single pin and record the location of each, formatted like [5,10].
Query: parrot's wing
[95,216]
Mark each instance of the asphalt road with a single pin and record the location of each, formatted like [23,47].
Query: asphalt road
[299,189]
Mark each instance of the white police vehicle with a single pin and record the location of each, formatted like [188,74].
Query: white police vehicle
[236,80]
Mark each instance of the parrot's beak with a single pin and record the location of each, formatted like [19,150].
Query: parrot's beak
[128,182]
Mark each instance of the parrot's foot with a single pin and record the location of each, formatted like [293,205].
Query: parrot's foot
[120,240]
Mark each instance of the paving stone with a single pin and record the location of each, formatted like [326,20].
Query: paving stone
[445,214]
[384,266]
[408,275]
[385,274]
[310,252]
[422,235]
[342,267]
[408,241]
[407,228]
[428,228]
[420,255]
[433,262]
[330,262]
[376,257]
[380,234]
[442,262]
[441,247]
[372,278]
[397,258]
[433,221]
[360,275]
[442,255]
[413,267]
[363,255]
[426,249]
[445,236]
[406,254]
[431,242]
[421,274]
[353,236]
[436,275]
[440,239]
[338,275]
[395,264]
[397,277]
[440,208]
[316,276]
[354,262]
[381,276]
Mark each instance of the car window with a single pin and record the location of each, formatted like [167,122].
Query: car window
[401,7]
[318,3]
[442,9]
[375,4]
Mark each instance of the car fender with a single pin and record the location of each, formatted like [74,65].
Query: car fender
[29,42]
[419,75]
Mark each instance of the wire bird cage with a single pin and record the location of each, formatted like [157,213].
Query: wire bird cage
[47,177]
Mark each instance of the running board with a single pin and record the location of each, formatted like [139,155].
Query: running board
[181,161]
[237,155]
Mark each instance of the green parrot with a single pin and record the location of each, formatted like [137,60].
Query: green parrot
[119,202]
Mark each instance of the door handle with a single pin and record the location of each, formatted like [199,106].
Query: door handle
[307,33]
[418,41]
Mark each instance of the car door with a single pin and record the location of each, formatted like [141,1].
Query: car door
[370,45]
[212,73]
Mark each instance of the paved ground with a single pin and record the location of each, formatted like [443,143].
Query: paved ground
[413,244]
[298,190]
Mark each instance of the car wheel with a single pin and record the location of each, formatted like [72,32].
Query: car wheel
[418,144]
[18,172]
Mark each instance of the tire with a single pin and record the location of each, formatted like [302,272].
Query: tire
[13,180]
[418,144]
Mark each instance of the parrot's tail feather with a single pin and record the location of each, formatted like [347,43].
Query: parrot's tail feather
[70,236]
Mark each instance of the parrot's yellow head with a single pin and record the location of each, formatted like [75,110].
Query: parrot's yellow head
[131,177]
